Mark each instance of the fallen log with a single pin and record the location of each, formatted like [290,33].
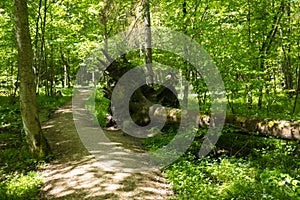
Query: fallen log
[141,105]
[283,129]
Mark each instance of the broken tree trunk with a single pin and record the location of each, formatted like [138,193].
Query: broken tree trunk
[283,129]
[144,98]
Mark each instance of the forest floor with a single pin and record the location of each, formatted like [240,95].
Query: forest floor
[75,173]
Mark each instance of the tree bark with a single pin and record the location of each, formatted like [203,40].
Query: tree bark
[28,104]
[148,43]
[282,129]
[143,98]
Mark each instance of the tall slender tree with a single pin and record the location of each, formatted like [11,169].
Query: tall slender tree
[148,41]
[29,111]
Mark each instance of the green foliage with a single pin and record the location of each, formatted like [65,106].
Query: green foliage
[11,116]
[231,178]
[254,44]
[18,176]
[239,167]
[161,139]
[99,106]
[20,186]
[17,159]
[274,104]
[48,104]
[19,179]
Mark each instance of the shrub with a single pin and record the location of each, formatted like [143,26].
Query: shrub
[20,186]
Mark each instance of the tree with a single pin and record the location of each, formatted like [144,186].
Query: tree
[28,104]
[148,41]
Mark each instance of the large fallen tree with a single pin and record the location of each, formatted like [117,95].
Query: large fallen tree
[283,129]
[142,101]
[143,98]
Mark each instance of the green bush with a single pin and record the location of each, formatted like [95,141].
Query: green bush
[20,186]
[17,159]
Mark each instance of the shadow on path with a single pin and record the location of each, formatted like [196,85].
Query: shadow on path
[76,174]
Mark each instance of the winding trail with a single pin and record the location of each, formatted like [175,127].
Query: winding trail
[75,173]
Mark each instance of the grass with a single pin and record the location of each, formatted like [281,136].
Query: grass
[19,177]
[98,105]
[240,167]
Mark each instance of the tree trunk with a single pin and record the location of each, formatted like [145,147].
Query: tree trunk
[283,129]
[148,43]
[30,118]
[287,64]
[143,99]
[298,85]
[185,49]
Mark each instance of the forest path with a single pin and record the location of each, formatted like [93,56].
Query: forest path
[76,174]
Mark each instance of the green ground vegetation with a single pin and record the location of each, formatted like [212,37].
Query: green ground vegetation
[19,176]
[239,167]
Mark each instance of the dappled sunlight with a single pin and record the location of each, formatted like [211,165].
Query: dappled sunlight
[63,111]
[110,173]
[87,177]
[48,126]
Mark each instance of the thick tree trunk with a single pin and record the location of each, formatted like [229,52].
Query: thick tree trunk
[30,118]
[143,98]
[283,129]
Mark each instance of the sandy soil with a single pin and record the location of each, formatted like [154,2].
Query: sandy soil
[76,174]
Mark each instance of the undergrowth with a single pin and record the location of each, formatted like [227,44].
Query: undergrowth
[239,167]
[19,177]
[98,105]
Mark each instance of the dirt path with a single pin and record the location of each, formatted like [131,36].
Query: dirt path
[76,174]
